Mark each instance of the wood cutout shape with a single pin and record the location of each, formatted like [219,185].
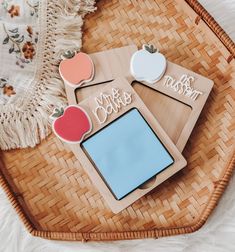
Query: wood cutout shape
[89,165]
[77,70]
[71,124]
[176,113]
[147,64]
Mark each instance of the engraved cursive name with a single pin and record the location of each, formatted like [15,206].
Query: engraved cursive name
[182,86]
[110,103]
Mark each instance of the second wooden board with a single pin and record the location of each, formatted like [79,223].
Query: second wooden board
[176,100]
[126,153]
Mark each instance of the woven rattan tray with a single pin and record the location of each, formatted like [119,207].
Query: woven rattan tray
[51,192]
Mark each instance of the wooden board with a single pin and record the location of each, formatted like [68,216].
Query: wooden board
[89,105]
[176,113]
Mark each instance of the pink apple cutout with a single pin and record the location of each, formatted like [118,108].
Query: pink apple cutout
[71,124]
[77,69]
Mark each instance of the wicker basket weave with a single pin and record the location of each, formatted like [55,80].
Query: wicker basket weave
[53,195]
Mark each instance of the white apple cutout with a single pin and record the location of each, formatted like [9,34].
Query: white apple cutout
[148,64]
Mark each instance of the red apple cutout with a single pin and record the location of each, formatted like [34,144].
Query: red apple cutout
[77,70]
[71,124]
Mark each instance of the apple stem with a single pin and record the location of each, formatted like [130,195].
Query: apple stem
[68,54]
[150,48]
[58,112]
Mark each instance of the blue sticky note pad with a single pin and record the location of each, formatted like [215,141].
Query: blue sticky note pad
[127,153]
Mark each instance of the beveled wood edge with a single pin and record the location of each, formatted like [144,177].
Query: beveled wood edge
[213,25]
[220,186]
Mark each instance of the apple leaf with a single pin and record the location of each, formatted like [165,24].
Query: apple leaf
[146,47]
[149,48]
[69,54]
[58,112]
[56,115]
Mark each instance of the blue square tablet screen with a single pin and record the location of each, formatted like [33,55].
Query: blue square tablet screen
[127,153]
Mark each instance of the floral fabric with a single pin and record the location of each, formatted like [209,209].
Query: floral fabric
[18,47]
[33,36]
